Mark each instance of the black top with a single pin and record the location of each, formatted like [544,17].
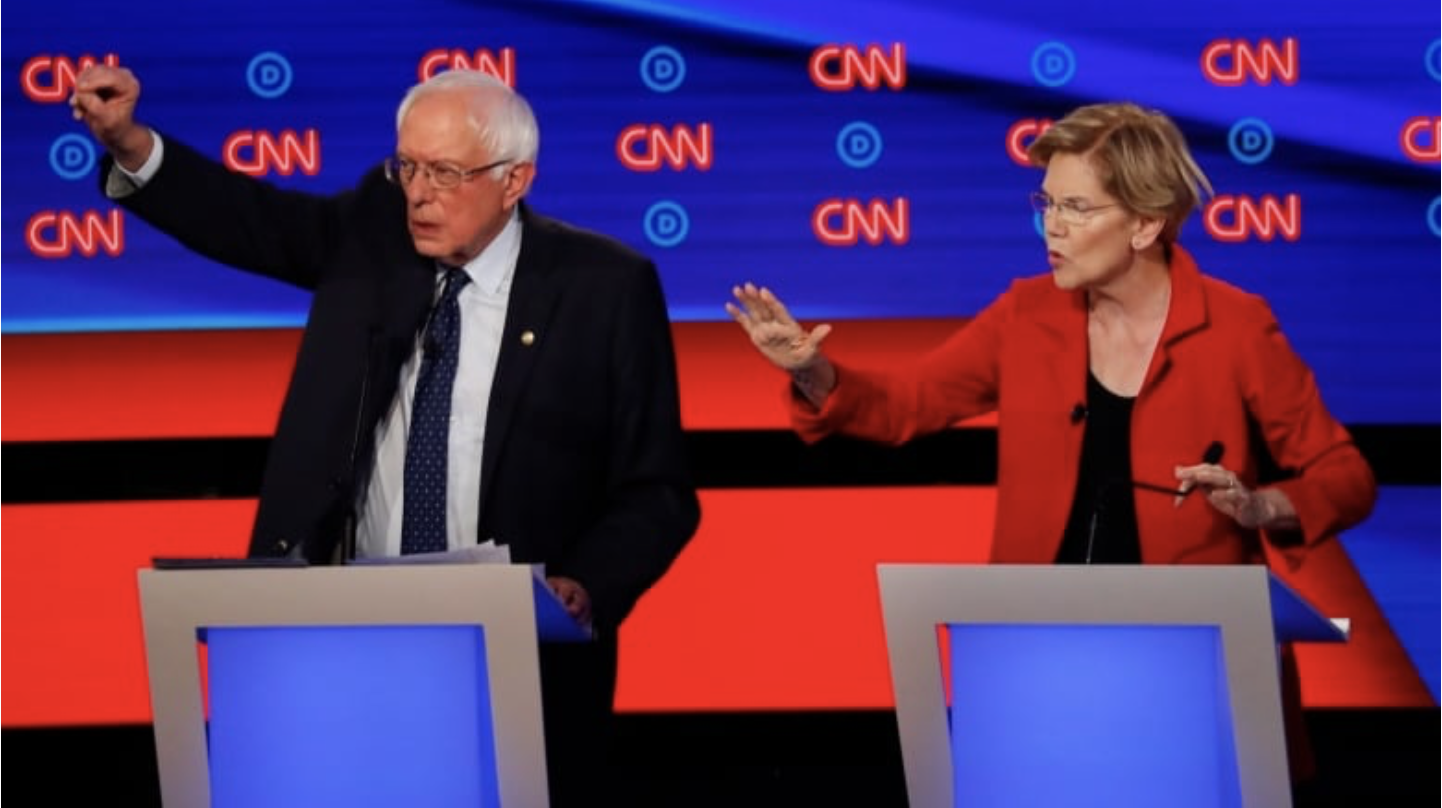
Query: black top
[1102,528]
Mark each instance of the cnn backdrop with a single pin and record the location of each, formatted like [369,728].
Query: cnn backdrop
[865,160]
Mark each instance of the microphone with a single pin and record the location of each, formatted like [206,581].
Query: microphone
[430,346]
[1078,413]
[348,490]
[1212,455]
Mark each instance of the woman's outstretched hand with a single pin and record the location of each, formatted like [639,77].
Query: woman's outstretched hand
[775,334]
[784,342]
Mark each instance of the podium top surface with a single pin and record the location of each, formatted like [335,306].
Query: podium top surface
[417,594]
[1107,594]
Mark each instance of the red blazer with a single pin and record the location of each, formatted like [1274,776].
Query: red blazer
[1222,371]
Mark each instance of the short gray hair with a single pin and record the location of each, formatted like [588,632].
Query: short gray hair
[501,118]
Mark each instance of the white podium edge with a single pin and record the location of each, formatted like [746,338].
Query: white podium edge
[175,604]
[916,598]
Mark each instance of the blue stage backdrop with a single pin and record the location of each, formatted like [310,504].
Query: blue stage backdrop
[863,159]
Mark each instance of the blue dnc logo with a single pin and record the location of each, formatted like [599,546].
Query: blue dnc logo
[72,156]
[1251,141]
[858,144]
[1053,64]
[666,224]
[269,75]
[663,69]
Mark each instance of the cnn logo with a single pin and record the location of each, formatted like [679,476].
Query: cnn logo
[1235,219]
[1020,135]
[259,153]
[1234,62]
[502,66]
[645,148]
[847,222]
[1421,139]
[839,68]
[51,79]
[61,234]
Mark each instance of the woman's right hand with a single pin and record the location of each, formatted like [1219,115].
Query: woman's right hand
[775,334]
[782,340]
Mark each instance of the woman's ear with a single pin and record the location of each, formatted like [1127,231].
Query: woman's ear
[1146,231]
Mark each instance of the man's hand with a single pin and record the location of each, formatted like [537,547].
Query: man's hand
[104,99]
[573,596]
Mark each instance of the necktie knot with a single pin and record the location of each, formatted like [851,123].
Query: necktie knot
[455,279]
[445,318]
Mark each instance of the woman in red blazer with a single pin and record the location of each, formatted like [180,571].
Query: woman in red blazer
[1136,397]
[1124,375]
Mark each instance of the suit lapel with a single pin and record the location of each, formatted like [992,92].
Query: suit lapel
[1062,337]
[406,296]
[533,297]
[1186,316]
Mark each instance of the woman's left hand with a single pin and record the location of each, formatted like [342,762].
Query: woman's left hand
[1251,507]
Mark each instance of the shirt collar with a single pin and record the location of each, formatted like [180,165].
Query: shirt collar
[491,270]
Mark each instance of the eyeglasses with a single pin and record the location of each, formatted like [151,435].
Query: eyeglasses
[401,171]
[1071,211]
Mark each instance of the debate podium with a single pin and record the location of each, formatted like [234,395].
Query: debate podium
[355,685]
[1025,685]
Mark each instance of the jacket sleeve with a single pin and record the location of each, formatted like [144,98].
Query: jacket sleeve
[1329,482]
[238,220]
[954,381]
[651,508]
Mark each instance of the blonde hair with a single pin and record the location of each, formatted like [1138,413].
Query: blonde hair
[1139,154]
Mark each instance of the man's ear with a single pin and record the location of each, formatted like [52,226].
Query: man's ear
[517,182]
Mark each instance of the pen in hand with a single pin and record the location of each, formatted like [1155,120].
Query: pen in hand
[1211,456]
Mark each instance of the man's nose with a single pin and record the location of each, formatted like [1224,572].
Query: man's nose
[419,190]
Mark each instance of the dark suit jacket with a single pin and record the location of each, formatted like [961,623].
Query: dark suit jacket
[1222,371]
[584,465]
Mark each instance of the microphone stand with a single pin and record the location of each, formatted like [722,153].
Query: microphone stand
[350,522]
[1106,489]
[1212,455]
[1097,507]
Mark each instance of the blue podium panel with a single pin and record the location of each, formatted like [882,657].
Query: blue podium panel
[1079,715]
[355,715]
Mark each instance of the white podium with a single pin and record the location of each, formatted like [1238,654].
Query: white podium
[1092,686]
[355,685]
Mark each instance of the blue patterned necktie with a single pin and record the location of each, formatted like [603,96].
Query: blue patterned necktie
[423,514]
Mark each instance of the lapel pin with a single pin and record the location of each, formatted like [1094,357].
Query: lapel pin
[528,338]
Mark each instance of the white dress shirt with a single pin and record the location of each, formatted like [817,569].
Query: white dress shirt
[483,317]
